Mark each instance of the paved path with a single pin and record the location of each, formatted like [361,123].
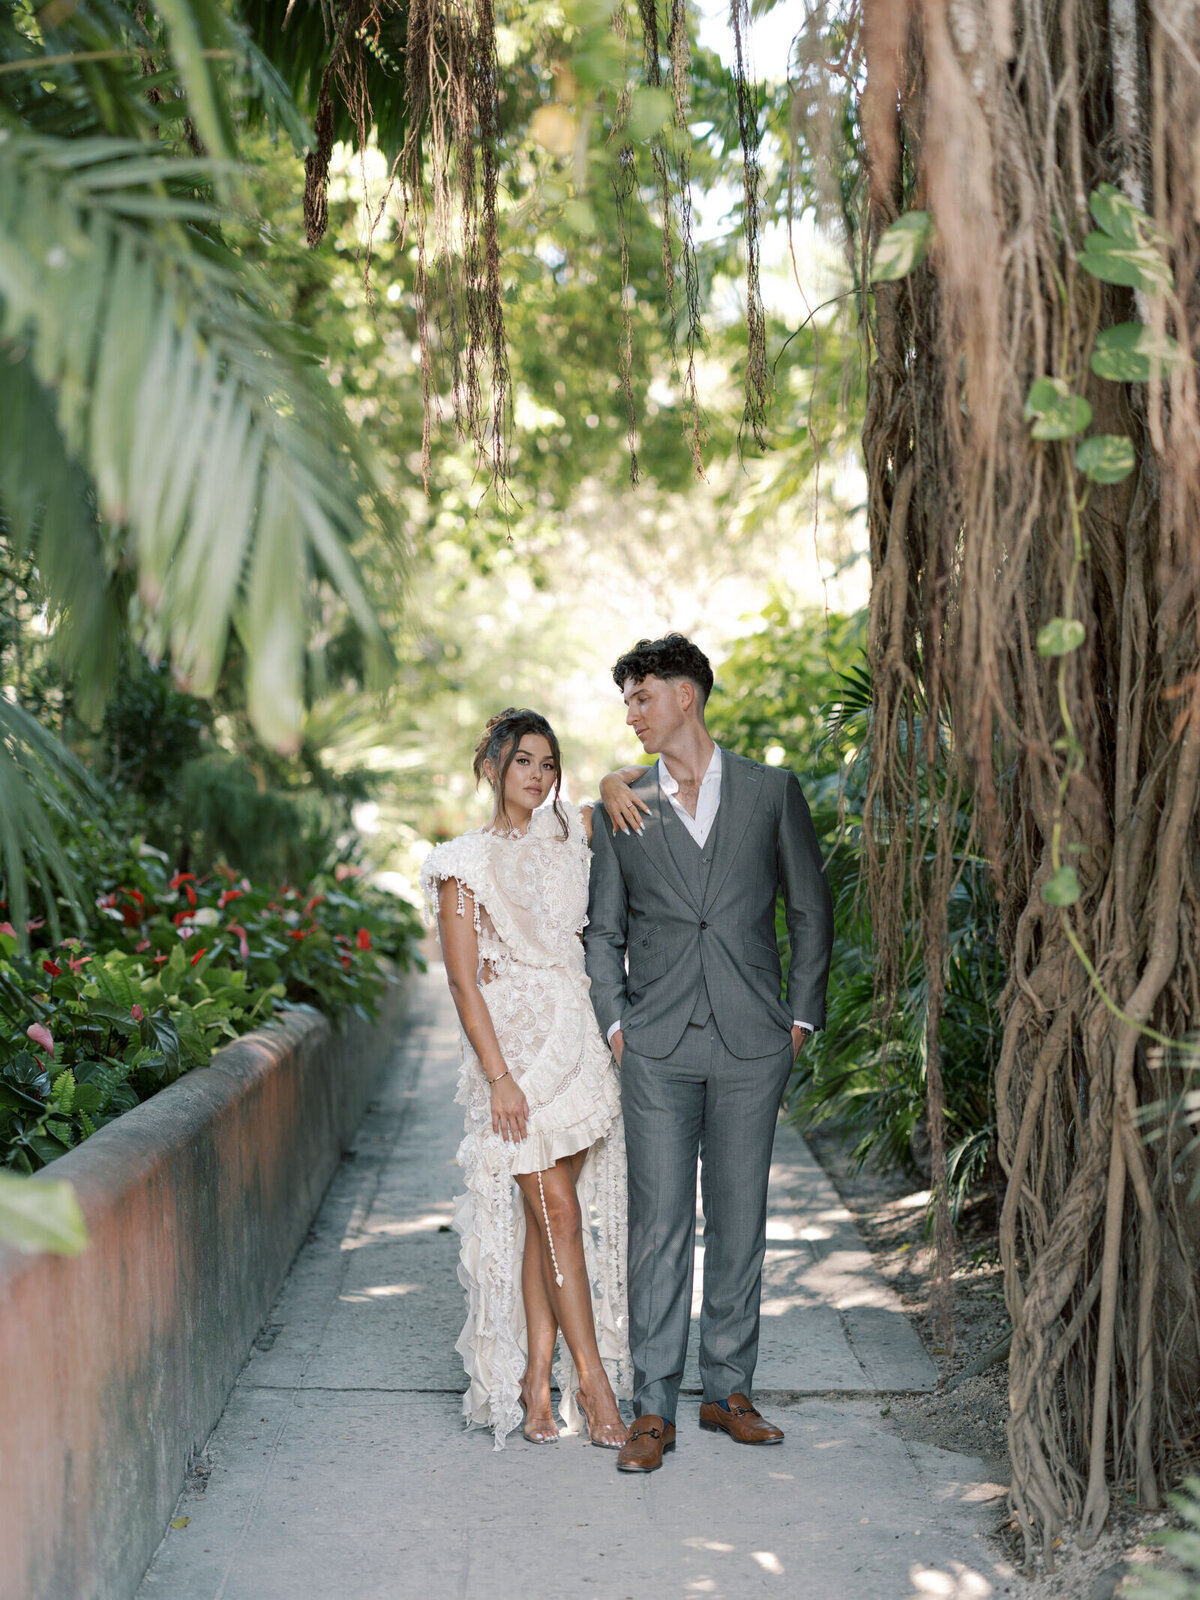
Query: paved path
[339,1470]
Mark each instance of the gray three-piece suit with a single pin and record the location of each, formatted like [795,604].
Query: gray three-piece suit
[681,949]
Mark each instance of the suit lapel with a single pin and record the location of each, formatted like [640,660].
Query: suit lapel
[653,841]
[741,785]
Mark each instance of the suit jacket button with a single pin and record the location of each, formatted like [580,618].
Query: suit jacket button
[703,925]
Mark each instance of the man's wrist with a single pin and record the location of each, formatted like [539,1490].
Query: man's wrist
[615,1028]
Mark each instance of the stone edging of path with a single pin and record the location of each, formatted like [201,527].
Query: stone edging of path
[117,1364]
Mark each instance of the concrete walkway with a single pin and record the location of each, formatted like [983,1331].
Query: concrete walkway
[340,1471]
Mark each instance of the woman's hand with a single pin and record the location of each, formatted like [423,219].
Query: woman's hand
[625,809]
[510,1109]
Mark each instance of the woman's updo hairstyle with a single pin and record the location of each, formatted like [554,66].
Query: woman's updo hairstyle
[499,743]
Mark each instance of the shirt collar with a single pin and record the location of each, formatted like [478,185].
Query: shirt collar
[712,772]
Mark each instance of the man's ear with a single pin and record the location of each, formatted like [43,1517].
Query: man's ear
[687,696]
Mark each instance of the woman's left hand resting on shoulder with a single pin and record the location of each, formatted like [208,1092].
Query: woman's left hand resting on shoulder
[625,809]
[460,952]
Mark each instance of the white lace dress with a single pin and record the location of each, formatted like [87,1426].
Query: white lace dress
[528,897]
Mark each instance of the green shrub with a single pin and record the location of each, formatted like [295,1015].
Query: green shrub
[174,965]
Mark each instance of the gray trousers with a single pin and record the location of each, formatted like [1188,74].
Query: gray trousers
[699,1101]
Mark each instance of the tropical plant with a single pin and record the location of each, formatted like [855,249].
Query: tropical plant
[1182,1546]
[40,1216]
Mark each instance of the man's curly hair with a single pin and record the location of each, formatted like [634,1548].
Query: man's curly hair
[672,657]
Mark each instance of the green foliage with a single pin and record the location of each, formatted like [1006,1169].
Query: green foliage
[1131,352]
[797,693]
[1105,457]
[157,417]
[902,247]
[40,1216]
[1182,1546]
[174,966]
[1055,412]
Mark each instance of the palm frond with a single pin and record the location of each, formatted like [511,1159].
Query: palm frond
[218,458]
[43,793]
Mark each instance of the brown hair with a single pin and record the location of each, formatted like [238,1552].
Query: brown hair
[499,743]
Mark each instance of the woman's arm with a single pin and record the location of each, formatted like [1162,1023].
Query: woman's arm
[623,806]
[460,952]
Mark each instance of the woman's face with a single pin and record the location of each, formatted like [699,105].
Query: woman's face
[531,775]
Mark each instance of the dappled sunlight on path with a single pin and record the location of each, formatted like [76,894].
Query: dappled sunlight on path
[340,1468]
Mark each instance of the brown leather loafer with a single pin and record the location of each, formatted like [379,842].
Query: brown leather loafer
[741,1422]
[649,1440]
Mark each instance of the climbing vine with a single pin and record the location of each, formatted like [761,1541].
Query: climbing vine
[1035,648]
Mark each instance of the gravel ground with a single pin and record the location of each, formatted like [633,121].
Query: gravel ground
[972,1416]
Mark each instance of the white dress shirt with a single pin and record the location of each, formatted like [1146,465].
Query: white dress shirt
[700,825]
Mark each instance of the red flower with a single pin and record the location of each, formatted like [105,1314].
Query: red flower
[158,960]
[364,939]
[135,894]
[107,901]
[137,1013]
[54,971]
[199,953]
[145,945]
[130,916]
[346,961]
[299,933]
[77,963]
[181,916]
[182,877]
[229,894]
[191,894]
[315,901]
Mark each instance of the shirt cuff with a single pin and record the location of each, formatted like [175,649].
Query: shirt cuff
[807,1026]
[616,1028]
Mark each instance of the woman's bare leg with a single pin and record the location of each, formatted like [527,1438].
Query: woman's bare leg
[555,1205]
[541,1327]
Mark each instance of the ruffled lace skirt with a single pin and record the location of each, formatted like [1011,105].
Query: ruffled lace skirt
[547,1032]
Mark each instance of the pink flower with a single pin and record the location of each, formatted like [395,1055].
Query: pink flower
[137,1013]
[41,1035]
[243,942]
[7,927]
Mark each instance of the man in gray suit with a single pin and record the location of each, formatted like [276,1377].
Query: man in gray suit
[686,984]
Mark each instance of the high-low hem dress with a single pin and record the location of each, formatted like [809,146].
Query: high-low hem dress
[528,899]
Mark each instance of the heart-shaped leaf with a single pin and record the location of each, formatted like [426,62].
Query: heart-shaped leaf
[902,247]
[1130,352]
[1062,887]
[1116,213]
[1105,457]
[1055,412]
[1137,266]
[1060,636]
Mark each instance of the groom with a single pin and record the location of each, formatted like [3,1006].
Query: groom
[686,984]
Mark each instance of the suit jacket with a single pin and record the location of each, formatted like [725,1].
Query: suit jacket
[659,934]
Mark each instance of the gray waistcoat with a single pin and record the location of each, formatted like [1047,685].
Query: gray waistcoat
[693,863]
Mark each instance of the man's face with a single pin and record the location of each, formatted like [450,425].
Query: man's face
[656,708]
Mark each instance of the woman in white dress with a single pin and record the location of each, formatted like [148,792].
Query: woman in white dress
[542,1221]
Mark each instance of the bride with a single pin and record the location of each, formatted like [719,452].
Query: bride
[543,1104]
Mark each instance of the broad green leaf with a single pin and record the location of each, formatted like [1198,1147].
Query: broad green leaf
[1062,887]
[37,1215]
[1056,413]
[1117,214]
[902,247]
[1060,636]
[1131,352]
[1137,266]
[1105,457]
